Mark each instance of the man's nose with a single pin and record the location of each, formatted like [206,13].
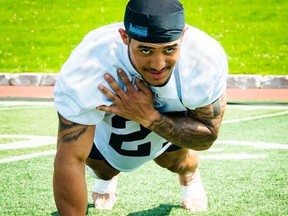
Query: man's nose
[158,62]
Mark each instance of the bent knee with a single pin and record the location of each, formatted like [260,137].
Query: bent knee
[183,167]
[181,161]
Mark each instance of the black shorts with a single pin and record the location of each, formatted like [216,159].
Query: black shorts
[96,154]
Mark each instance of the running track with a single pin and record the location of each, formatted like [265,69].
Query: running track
[234,95]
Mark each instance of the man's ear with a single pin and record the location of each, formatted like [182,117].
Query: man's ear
[124,36]
[184,30]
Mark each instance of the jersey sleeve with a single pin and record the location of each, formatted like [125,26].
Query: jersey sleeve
[76,90]
[77,99]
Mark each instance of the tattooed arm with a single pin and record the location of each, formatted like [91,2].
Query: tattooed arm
[197,131]
[74,143]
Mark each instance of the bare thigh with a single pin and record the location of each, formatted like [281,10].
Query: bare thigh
[182,161]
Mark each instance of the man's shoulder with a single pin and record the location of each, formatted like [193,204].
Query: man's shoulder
[99,38]
[109,29]
[99,49]
[199,41]
[202,68]
[201,49]
[197,34]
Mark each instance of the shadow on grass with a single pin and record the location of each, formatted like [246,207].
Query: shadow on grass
[161,210]
[90,205]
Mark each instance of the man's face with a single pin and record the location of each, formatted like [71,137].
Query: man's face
[154,61]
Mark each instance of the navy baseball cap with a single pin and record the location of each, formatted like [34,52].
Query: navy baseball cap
[154,21]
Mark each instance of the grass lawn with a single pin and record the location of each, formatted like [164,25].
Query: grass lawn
[244,173]
[38,36]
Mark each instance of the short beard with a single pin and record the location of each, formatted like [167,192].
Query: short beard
[161,85]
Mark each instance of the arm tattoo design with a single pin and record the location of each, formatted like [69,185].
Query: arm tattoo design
[72,131]
[198,130]
[183,131]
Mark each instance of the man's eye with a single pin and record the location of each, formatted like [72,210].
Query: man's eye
[170,50]
[146,52]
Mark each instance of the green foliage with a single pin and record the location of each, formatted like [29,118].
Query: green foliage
[38,36]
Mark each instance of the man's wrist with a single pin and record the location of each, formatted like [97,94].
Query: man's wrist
[151,119]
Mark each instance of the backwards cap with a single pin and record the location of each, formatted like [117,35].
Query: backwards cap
[154,21]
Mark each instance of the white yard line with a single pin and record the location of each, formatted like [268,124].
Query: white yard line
[218,156]
[260,107]
[255,144]
[23,103]
[23,107]
[255,117]
[27,156]
[240,156]
[29,142]
[7,105]
[36,141]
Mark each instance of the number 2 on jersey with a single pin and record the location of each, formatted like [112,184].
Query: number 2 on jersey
[116,140]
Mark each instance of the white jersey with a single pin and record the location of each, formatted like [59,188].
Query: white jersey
[198,79]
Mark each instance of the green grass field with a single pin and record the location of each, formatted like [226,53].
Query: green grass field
[38,36]
[244,173]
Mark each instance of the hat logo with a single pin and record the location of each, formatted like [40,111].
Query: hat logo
[138,30]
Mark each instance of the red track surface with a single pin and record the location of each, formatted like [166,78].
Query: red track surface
[46,92]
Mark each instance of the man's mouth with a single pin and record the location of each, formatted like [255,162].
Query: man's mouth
[157,74]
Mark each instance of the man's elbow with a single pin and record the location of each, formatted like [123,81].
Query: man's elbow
[213,136]
[207,142]
[211,141]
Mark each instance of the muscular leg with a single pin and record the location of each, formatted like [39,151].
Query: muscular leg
[107,175]
[184,162]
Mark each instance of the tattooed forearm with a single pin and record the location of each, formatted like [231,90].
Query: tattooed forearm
[70,131]
[210,113]
[184,131]
[197,131]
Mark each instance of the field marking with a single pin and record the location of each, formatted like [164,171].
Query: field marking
[22,107]
[255,117]
[240,156]
[29,142]
[220,156]
[27,156]
[37,141]
[260,107]
[259,145]
[17,103]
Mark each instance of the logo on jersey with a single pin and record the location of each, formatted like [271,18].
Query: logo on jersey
[138,30]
